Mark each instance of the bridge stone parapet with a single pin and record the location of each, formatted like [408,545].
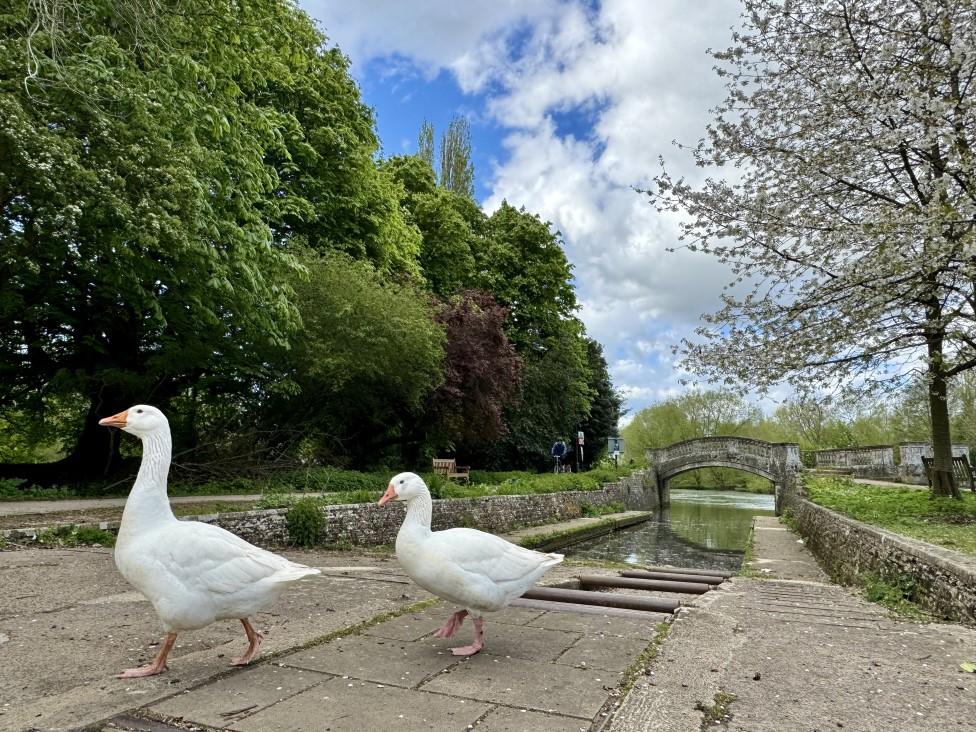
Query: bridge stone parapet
[778,462]
[911,469]
[878,461]
[874,461]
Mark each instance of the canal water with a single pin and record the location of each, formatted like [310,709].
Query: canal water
[702,529]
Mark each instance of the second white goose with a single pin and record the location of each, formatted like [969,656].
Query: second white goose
[480,572]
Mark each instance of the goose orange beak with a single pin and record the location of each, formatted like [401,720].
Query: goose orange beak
[389,495]
[116,420]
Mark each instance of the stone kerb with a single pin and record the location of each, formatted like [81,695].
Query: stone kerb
[944,581]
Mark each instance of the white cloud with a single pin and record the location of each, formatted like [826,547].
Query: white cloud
[434,34]
[639,72]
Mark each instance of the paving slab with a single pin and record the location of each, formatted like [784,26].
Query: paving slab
[343,705]
[221,702]
[515,641]
[579,623]
[381,660]
[778,552]
[528,684]
[508,719]
[601,651]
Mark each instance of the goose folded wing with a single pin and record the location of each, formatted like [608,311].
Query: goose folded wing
[220,562]
[492,557]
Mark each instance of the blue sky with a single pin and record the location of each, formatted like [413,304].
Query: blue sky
[570,103]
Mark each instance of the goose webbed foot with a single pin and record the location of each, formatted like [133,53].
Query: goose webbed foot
[451,626]
[156,667]
[477,645]
[254,638]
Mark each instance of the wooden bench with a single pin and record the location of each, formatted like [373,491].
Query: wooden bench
[960,468]
[451,470]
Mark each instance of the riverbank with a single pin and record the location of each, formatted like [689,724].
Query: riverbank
[794,652]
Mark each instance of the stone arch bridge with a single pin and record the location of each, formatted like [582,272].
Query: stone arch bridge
[779,462]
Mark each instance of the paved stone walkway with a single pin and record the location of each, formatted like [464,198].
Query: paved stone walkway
[540,671]
[798,654]
[69,622]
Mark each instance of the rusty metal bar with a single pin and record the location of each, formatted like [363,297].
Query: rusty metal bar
[681,570]
[691,588]
[673,576]
[603,611]
[604,599]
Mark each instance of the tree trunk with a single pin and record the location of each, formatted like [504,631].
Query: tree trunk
[942,478]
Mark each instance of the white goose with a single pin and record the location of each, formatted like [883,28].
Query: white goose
[480,572]
[192,573]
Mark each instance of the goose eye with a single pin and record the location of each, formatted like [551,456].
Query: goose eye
[401,482]
[138,411]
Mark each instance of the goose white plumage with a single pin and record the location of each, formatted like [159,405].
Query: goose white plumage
[192,573]
[480,572]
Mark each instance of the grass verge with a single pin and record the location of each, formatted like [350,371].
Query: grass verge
[641,664]
[942,521]
[746,569]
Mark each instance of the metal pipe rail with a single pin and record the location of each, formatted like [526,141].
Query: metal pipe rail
[690,588]
[603,599]
[673,576]
[681,570]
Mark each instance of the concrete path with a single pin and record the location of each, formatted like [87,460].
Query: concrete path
[795,653]
[889,484]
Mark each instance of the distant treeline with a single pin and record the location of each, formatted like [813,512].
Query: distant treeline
[814,425]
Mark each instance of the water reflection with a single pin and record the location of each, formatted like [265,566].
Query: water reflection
[704,529]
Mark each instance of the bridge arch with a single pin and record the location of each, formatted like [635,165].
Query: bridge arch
[777,461]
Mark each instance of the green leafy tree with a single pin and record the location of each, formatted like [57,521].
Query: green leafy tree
[366,360]
[447,241]
[425,144]
[457,170]
[524,266]
[605,403]
[136,177]
[331,195]
[555,401]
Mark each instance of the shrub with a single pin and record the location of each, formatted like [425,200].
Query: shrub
[71,535]
[306,523]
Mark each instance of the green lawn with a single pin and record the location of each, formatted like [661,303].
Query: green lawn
[942,521]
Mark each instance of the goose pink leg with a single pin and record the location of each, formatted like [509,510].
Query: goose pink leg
[253,641]
[479,641]
[157,666]
[451,626]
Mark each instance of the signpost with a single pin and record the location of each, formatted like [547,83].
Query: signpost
[615,446]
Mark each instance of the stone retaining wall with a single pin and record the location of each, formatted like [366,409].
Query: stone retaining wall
[368,524]
[945,581]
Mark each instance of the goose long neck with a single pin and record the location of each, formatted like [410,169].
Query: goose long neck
[419,511]
[148,504]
